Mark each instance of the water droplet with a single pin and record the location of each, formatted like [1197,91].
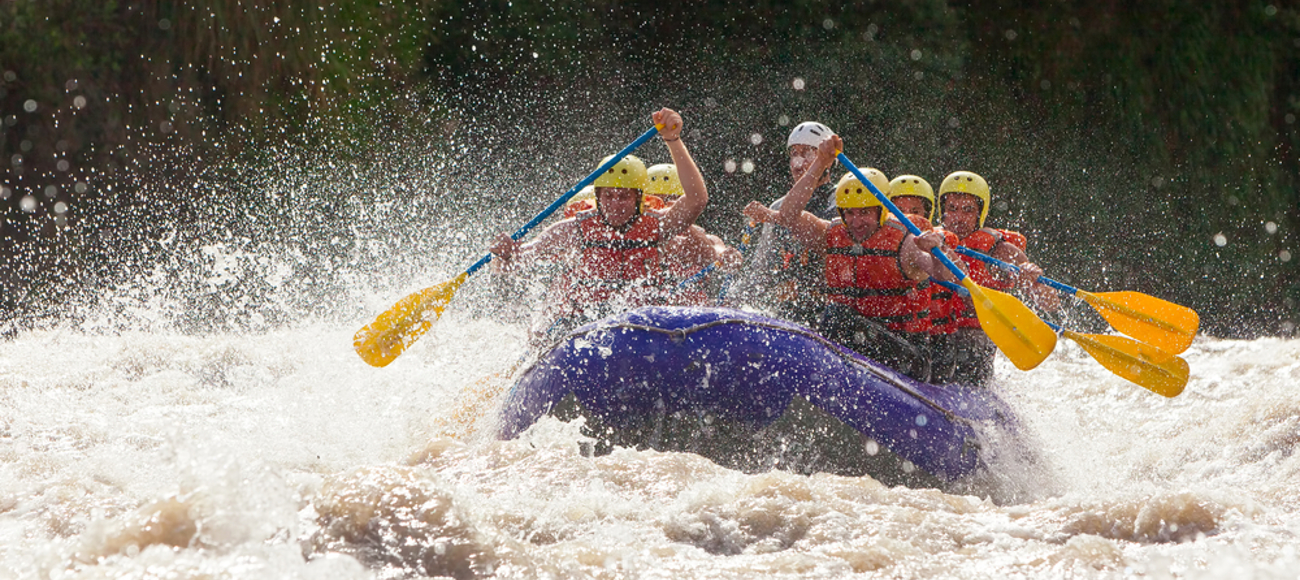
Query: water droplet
[1284,255]
[1290,118]
[921,420]
[756,138]
[60,207]
[1270,10]
[29,105]
[828,24]
[798,83]
[1010,34]
[10,76]
[80,187]
[4,193]
[872,447]
[953,123]
[28,204]
[908,467]
[62,165]
[916,54]
[729,166]
[1045,84]
[1270,227]
[51,191]
[1220,239]
[79,102]
[164,24]
[783,120]
[70,85]
[747,166]
[1232,200]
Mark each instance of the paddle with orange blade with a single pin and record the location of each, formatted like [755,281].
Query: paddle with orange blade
[1160,323]
[1019,333]
[383,340]
[1137,362]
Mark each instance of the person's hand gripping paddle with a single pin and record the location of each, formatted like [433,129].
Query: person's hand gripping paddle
[383,340]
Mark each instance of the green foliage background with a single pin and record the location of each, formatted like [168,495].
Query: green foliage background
[1123,138]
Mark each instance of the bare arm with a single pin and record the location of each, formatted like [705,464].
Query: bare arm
[809,229]
[917,261]
[1043,295]
[554,242]
[683,213]
[759,213]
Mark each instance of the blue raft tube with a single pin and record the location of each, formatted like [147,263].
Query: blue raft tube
[756,393]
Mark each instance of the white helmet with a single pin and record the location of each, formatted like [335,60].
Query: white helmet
[809,133]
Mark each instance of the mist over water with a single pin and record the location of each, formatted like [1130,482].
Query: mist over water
[201,412]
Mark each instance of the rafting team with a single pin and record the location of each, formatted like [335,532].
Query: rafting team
[845,267]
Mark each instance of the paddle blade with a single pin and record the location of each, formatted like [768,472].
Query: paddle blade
[1019,333]
[1140,363]
[383,340]
[1163,324]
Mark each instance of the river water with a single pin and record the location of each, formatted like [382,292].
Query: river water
[134,451]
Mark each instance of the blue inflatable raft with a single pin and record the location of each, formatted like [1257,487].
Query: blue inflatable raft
[754,392]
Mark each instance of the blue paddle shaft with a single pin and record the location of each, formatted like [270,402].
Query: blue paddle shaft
[563,199]
[987,259]
[898,213]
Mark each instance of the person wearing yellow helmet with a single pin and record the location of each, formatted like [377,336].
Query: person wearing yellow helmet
[876,273]
[913,195]
[585,200]
[611,257]
[964,202]
[784,277]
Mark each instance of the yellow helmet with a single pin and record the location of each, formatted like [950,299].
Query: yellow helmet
[969,183]
[850,193]
[905,185]
[662,180]
[628,172]
[585,194]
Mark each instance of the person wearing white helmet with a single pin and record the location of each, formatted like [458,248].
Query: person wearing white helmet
[784,278]
[610,258]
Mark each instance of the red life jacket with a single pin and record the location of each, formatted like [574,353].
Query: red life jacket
[870,278]
[944,303]
[983,241]
[613,260]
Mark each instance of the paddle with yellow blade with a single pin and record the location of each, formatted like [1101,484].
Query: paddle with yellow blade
[383,340]
[1137,362]
[1019,333]
[1160,323]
